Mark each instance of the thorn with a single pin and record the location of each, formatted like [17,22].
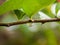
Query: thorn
[8,25]
[43,22]
[31,20]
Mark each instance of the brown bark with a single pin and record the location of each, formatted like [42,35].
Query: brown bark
[29,21]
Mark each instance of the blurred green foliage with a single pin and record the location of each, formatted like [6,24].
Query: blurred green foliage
[37,34]
[31,33]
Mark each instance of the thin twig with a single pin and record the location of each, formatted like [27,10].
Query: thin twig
[30,21]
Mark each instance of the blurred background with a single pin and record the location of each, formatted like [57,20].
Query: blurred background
[30,33]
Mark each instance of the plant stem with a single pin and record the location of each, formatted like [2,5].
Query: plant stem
[29,21]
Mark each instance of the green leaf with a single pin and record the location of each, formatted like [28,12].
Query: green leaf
[48,12]
[19,13]
[57,7]
[10,5]
[33,6]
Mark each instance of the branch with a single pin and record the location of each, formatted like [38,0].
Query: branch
[30,21]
